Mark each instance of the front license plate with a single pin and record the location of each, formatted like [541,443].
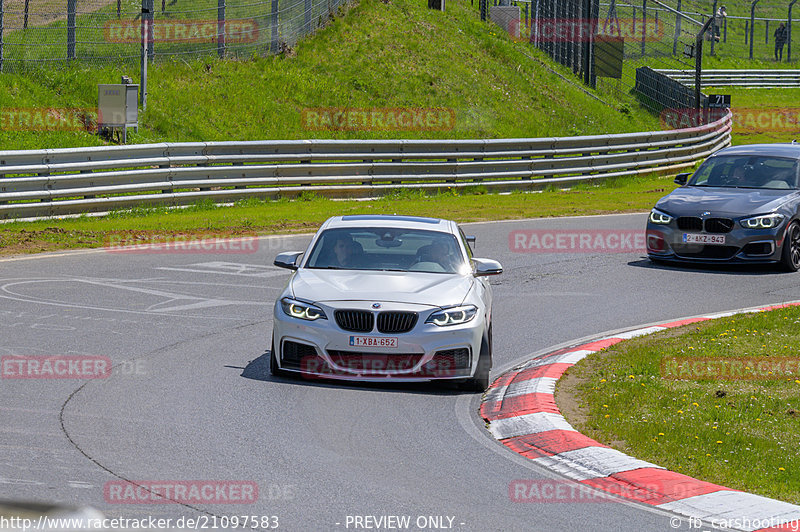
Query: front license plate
[695,238]
[373,341]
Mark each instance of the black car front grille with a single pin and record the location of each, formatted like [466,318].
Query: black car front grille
[711,225]
[453,358]
[719,225]
[690,223]
[355,320]
[396,322]
[374,362]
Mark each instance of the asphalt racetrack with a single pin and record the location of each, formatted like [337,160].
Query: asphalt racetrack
[189,397]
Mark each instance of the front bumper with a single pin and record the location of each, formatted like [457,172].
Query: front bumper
[322,349]
[751,246]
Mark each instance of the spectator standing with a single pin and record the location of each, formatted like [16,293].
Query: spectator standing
[719,20]
[780,40]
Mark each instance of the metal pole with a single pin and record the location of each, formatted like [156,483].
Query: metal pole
[25,22]
[766,34]
[119,9]
[713,26]
[752,23]
[71,29]
[788,34]
[145,39]
[698,64]
[1,35]
[273,48]
[725,29]
[644,24]
[677,29]
[746,30]
[221,28]
[151,42]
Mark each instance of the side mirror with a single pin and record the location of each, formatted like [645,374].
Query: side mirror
[681,179]
[288,259]
[486,267]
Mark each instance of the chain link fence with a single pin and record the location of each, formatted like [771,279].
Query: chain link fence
[618,46]
[36,33]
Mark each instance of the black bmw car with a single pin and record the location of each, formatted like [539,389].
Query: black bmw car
[742,205]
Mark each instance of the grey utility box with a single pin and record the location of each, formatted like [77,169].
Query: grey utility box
[117,108]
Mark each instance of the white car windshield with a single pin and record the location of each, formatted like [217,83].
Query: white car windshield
[387,249]
[747,171]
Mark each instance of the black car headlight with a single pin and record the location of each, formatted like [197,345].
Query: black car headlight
[453,315]
[767,221]
[302,310]
[659,218]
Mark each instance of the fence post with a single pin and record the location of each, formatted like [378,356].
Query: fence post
[273,47]
[714,28]
[724,29]
[1,34]
[788,34]
[71,29]
[27,9]
[644,24]
[746,30]
[766,33]
[677,29]
[145,40]
[119,9]
[698,65]
[752,24]
[221,28]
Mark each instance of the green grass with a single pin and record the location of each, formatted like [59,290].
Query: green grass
[250,217]
[377,55]
[738,433]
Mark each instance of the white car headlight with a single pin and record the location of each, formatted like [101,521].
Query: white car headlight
[301,310]
[660,218]
[453,315]
[762,222]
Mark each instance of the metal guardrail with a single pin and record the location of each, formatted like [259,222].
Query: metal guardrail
[71,181]
[738,78]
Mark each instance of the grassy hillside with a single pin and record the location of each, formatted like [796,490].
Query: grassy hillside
[380,54]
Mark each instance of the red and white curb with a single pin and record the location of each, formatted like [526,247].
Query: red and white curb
[521,412]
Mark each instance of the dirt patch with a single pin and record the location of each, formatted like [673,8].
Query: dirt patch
[44,12]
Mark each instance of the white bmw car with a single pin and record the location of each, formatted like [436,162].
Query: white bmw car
[381,298]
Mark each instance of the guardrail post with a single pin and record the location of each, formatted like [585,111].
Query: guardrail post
[71,29]
[221,28]
[752,24]
[273,46]
[677,30]
[788,34]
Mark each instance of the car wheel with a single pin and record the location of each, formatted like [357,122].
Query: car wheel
[480,381]
[274,370]
[790,259]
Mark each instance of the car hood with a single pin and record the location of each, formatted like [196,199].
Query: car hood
[434,289]
[731,202]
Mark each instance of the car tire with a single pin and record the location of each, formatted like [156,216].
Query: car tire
[480,382]
[790,259]
[274,370]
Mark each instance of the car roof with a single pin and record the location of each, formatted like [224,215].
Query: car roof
[390,220]
[777,150]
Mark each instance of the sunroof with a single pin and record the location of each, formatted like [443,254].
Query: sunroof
[373,217]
